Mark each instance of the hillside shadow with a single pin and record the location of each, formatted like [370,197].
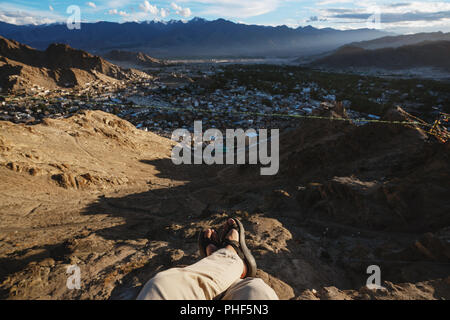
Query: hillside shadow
[146,214]
[173,213]
[166,214]
[152,215]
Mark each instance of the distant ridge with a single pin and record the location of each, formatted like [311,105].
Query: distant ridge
[424,54]
[138,58]
[402,40]
[195,38]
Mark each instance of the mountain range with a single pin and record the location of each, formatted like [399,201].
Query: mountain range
[195,38]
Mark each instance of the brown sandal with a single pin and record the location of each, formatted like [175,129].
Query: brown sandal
[204,242]
[241,248]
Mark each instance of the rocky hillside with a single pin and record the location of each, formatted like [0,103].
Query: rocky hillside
[425,54]
[92,190]
[22,67]
[137,58]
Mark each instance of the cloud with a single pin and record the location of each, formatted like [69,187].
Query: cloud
[400,4]
[315,19]
[142,13]
[149,8]
[326,2]
[392,15]
[51,8]
[237,8]
[398,17]
[119,13]
[184,12]
[163,12]
[22,18]
[92,5]
[19,15]
[175,6]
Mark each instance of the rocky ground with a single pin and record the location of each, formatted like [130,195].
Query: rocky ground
[94,191]
[23,68]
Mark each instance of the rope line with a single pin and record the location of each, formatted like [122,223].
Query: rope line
[298,116]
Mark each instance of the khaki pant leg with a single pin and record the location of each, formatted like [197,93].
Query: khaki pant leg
[250,289]
[203,280]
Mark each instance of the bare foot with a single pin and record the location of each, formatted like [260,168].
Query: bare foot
[210,234]
[233,234]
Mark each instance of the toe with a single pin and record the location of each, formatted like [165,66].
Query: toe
[208,233]
[215,236]
[233,235]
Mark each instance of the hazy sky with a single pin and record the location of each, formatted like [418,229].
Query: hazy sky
[400,16]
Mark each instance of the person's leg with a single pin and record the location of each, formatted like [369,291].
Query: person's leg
[250,289]
[203,280]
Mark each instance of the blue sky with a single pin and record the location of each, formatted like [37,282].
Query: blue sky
[400,16]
